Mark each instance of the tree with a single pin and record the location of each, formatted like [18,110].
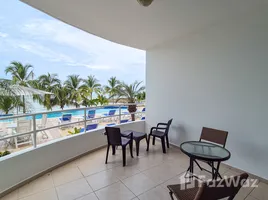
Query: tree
[141,96]
[92,85]
[75,90]
[102,100]
[60,96]
[48,82]
[89,102]
[5,87]
[130,92]
[21,74]
[8,103]
[112,88]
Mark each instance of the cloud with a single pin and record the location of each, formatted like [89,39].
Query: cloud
[101,54]
[44,52]
[97,67]
[3,35]
[52,43]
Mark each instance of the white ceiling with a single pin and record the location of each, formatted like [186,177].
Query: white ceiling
[128,23]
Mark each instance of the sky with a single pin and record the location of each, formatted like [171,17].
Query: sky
[32,37]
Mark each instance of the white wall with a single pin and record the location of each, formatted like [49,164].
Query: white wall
[17,168]
[217,77]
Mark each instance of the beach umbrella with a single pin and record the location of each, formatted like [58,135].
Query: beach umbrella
[18,90]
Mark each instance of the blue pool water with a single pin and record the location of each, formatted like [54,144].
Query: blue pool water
[79,113]
[58,114]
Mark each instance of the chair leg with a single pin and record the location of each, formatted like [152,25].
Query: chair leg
[163,144]
[167,141]
[231,198]
[137,147]
[113,147]
[153,140]
[148,142]
[171,195]
[124,155]
[107,153]
[131,149]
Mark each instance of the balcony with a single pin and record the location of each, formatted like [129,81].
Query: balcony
[145,177]
[71,166]
[206,65]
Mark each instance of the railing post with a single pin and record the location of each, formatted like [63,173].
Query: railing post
[85,120]
[34,131]
[119,114]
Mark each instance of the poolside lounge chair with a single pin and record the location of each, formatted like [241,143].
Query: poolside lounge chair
[65,119]
[91,114]
[23,126]
[141,113]
[111,124]
[43,125]
[6,142]
[111,113]
[123,121]
[89,127]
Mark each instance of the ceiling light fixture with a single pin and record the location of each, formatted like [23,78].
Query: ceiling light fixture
[145,2]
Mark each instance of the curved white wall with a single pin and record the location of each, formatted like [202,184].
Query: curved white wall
[15,169]
[217,78]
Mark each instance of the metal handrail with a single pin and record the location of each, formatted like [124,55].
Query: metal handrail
[84,119]
[66,110]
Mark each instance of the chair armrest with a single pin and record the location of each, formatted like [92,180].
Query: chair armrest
[157,128]
[162,124]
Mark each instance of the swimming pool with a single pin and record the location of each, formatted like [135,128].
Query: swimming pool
[100,111]
[57,114]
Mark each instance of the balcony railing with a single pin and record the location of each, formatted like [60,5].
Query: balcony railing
[30,130]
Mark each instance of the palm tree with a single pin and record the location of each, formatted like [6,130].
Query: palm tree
[21,74]
[141,96]
[74,88]
[89,102]
[92,85]
[130,92]
[60,96]
[8,103]
[5,87]
[102,100]
[112,88]
[48,83]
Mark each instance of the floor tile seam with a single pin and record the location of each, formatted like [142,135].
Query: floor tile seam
[19,198]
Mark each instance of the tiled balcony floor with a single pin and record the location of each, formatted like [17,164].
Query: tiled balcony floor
[144,178]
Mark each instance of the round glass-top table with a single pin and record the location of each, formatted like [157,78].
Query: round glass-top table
[209,152]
